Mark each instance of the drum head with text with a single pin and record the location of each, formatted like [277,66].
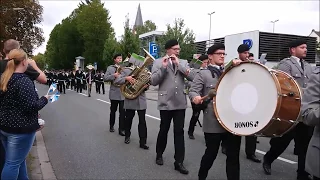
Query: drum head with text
[246,99]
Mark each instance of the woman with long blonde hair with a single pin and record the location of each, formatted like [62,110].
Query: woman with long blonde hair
[19,106]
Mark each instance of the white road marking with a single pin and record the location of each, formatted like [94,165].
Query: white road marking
[279,158]
[104,101]
[258,151]
[153,117]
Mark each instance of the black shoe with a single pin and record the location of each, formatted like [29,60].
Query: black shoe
[266,167]
[179,167]
[143,146]
[111,129]
[304,176]
[127,140]
[159,160]
[191,136]
[258,142]
[223,150]
[254,158]
[121,133]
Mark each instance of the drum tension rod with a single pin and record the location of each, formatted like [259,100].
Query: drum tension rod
[277,119]
[291,94]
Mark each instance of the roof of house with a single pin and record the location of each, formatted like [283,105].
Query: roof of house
[317,32]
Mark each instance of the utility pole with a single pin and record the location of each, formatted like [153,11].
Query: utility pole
[210,28]
[274,22]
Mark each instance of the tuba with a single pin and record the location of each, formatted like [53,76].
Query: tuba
[142,76]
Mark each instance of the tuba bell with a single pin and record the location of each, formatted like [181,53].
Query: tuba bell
[142,76]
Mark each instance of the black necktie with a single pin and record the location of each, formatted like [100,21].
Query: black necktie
[302,65]
[174,66]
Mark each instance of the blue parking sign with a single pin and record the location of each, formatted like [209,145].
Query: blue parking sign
[248,42]
[153,49]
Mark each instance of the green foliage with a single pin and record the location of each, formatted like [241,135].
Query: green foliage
[185,37]
[147,27]
[130,41]
[40,60]
[83,33]
[318,48]
[93,23]
[52,48]
[21,25]
[111,47]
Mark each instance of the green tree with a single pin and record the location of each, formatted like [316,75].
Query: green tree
[185,37]
[129,42]
[318,48]
[93,23]
[147,27]
[21,24]
[70,43]
[52,49]
[111,47]
[40,60]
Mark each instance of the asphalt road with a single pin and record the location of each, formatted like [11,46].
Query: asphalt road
[80,145]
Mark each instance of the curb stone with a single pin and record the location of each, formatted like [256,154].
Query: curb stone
[39,166]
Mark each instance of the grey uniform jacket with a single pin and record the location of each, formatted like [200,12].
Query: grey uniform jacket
[293,68]
[311,116]
[140,103]
[171,92]
[114,92]
[200,86]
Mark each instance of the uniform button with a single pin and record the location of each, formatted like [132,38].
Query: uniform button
[176,92]
[305,76]
[175,81]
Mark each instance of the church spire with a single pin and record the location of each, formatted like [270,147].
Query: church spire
[139,21]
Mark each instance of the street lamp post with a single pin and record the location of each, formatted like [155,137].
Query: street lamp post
[210,27]
[274,22]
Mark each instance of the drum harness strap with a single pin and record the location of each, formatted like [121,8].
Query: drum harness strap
[215,72]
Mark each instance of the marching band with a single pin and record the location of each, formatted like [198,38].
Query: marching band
[205,88]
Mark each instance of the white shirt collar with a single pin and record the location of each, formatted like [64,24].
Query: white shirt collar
[297,59]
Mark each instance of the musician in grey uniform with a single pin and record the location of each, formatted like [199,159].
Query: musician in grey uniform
[131,106]
[196,109]
[169,73]
[214,133]
[301,71]
[251,141]
[311,116]
[115,96]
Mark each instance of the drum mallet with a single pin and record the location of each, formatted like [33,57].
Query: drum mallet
[212,93]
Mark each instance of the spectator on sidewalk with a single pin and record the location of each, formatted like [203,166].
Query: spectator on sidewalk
[19,106]
[32,71]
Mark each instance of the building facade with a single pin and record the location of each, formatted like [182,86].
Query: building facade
[274,44]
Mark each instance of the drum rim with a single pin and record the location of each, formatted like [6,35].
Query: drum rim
[301,96]
[279,99]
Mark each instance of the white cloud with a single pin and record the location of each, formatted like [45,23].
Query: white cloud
[231,17]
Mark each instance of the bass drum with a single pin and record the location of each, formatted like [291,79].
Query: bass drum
[255,100]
